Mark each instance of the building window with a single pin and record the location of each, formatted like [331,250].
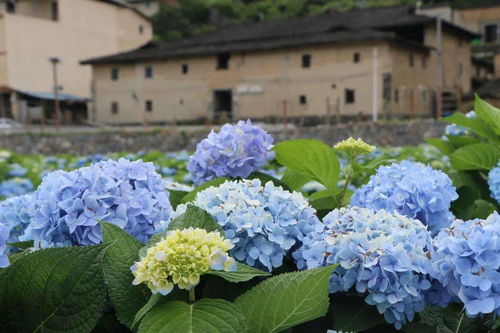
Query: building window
[412,60]
[114,74]
[223,60]
[302,99]
[54,10]
[460,69]
[396,95]
[10,7]
[114,107]
[334,86]
[149,106]
[350,97]
[356,57]
[490,33]
[185,68]
[141,29]
[148,72]
[306,60]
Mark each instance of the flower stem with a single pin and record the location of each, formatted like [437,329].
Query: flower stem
[192,297]
[348,179]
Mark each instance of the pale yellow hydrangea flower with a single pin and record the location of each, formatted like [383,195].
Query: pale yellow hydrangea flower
[353,147]
[181,258]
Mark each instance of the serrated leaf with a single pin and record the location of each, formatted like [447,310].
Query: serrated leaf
[193,217]
[449,320]
[242,273]
[22,245]
[311,158]
[204,316]
[352,314]
[214,182]
[295,180]
[153,300]
[264,178]
[488,113]
[176,197]
[476,125]
[480,156]
[120,256]
[446,147]
[57,289]
[286,300]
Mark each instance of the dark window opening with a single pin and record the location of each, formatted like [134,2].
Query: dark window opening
[141,29]
[114,74]
[490,33]
[306,60]
[350,97]
[148,72]
[334,86]
[412,60]
[185,68]
[223,60]
[10,6]
[460,69]
[54,10]
[223,105]
[303,99]
[114,107]
[149,106]
[357,57]
[396,95]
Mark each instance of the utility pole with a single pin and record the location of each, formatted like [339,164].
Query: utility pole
[439,67]
[57,106]
[375,86]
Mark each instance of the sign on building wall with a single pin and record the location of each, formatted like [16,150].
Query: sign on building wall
[249,89]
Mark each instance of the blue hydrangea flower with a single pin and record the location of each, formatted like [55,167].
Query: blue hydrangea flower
[235,151]
[16,213]
[379,254]
[263,222]
[494,182]
[411,189]
[16,170]
[455,130]
[466,261]
[15,187]
[4,235]
[68,205]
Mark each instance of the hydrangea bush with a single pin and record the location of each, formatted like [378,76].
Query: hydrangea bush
[16,214]
[494,182]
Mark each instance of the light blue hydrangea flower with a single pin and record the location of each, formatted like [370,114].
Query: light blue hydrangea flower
[4,235]
[17,170]
[379,254]
[235,151]
[16,213]
[411,189]
[494,182]
[466,261]
[15,187]
[455,130]
[263,222]
[68,205]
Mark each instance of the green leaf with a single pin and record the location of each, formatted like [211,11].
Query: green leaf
[264,178]
[145,309]
[352,314]
[446,147]
[192,195]
[286,300]
[480,156]
[120,256]
[242,273]
[311,158]
[22,245]
[205,316]
[449,320]
[460,141]
[176,197]
[480,209]
[295,180]
[197,218]
[488,113]
[476,125]
[57,289]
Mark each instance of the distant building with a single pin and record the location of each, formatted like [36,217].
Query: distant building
[32,31]
[363,63]
[151,7]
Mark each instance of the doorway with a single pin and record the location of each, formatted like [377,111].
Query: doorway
[223,106]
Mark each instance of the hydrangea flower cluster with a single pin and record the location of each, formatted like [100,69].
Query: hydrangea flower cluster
[354,148]
[16,214]
[181,258]
[264,222]
[235,151]
[4,235]
[466,261]
[455,130]
[411,189]
[494,182]
[69,205]
[15,186]
[380,254]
